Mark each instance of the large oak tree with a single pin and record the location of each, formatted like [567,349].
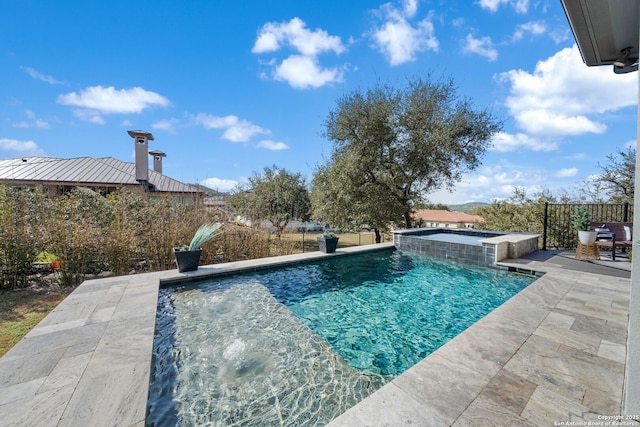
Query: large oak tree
[392,147]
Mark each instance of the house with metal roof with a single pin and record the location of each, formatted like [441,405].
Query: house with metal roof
[105,175]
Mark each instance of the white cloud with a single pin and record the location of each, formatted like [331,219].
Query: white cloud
[302,72]
[33,122]
[546,122]
[562,96]
[97,100]
[90,116]
[301,69]
[167,125]
[458,22]
[520,6]
[294,33]
[22,147]
[223,185]
[560,35]
[39,76]
[126,123]
[272,145]
[235,130]
[398,39]
[504,142]
[36,124]
[490,183]
[482,47]
[566,173]
[535,28]
[578,156]
[410,8]
[491,5]
[268,39]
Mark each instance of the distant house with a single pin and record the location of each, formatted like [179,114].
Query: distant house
[214,202]
[105,175]
[446,219]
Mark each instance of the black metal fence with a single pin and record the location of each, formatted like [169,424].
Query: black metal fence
[558,231]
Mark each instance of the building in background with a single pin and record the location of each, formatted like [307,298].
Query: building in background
[105,175]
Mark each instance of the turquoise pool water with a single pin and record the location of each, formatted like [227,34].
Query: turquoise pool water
[455,238]
[299,345]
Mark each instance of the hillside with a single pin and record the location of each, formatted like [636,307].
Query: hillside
[467,207]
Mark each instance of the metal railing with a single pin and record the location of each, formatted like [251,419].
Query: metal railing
[558,232]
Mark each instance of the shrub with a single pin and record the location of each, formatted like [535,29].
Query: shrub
[21,234]
[581,219]
[74,233]
[124,232]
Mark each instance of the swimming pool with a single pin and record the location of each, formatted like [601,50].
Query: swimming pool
[454,238]
[302,344]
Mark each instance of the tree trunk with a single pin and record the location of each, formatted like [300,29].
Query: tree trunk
[378,236]
[407,219]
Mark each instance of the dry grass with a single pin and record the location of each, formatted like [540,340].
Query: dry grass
[345,239]
[22,309]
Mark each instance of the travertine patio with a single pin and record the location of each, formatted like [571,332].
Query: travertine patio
[553,353]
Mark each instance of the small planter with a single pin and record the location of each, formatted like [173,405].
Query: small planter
[587,237]
[187,260]
[328,245]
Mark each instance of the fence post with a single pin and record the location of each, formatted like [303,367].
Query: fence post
[544,226]
[625,213]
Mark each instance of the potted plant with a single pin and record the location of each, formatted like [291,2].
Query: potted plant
[188,257]
[328,242]
[582,223]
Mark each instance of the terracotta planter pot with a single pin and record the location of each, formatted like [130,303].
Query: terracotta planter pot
[187,260]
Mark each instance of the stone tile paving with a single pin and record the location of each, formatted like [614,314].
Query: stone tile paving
[553,353]
[87,362]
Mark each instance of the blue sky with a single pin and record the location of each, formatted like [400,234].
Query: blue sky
[228,88]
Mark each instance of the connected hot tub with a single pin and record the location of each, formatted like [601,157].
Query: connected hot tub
[477,247]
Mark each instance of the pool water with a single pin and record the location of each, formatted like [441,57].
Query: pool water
[300,345]
[464,239]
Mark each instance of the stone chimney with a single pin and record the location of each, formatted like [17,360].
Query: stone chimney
[141,139]
[157,160]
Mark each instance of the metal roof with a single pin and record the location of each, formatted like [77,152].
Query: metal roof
[84,171]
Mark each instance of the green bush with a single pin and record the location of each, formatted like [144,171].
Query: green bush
[581,219]
[46,257]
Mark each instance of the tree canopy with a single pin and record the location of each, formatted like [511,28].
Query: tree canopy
[275,195]
[520,213]
[618,176]
[392,147]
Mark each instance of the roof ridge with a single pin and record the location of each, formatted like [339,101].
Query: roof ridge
[87,169]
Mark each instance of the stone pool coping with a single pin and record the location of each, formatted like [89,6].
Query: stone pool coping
[493,246]
[554,352]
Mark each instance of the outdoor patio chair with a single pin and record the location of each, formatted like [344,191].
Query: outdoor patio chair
[619,235]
